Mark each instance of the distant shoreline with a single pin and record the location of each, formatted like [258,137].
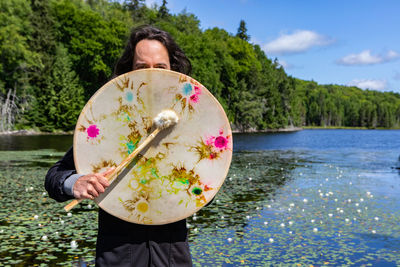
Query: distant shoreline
[279,130]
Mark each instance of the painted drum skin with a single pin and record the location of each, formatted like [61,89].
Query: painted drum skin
[182,168]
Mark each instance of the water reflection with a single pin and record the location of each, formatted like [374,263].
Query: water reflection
[35,142]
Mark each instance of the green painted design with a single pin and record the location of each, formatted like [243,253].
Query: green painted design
[154,172]
[197,191]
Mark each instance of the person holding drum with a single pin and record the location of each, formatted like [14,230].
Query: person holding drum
[121,243]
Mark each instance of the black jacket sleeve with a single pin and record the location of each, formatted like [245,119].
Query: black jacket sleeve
[57,175]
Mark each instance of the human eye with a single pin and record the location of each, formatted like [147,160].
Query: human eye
[161,66]
[141,66]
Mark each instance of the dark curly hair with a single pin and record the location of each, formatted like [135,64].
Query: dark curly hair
[178,60]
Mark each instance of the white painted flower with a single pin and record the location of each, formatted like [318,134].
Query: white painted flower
[36,217]
[74,244]
[229,239]
[291,204]
[361,199]
[305,200]
[195,229]
[282,225]
[44,238]
[347,220]
[315,230]
[356,204]
[290,232]
[62,222]
[330,214]
[335,199]
[358,210]
[44,193]
[69,214]
[188,225]
[31,188]
[376,219]
[222,217]
[373,231]
[217,201]
[248,217]
[341,211]
[271,240]
[349,200]
[265,223]
[290,222]
[350,183]
[312,220]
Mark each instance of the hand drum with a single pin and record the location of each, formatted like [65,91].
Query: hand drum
[180,171]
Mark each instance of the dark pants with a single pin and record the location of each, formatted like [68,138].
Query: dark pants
[121,243]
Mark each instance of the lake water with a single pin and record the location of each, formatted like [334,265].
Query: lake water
[313,197]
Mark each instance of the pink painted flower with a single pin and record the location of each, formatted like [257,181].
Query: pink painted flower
[197,90]
[221,142]
[92,131]
[194,98]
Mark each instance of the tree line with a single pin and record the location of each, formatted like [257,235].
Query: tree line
[55,54]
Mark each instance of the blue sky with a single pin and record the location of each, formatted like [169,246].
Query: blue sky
[353,42]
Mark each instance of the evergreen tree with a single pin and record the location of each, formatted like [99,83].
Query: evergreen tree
[62,98]
[242,31]
[163,12]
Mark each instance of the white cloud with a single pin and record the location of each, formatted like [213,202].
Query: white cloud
[297,42]
[366,58]
[369,84]
[392,55]
[284,64]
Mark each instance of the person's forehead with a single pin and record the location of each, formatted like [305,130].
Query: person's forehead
[149,43]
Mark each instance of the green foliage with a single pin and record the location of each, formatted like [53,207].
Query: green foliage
[334,105]
[56,54]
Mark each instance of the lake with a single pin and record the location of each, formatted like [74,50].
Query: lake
[313,197]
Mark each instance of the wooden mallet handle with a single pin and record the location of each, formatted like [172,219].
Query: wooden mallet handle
[121,166]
